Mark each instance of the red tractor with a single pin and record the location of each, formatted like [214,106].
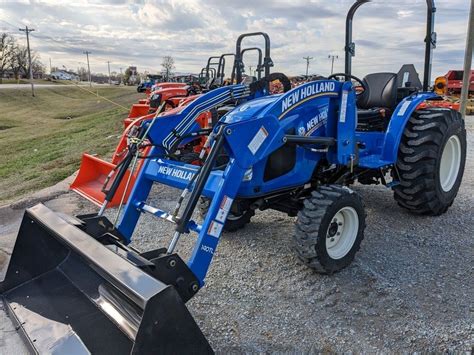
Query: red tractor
[451,83]
[449,87]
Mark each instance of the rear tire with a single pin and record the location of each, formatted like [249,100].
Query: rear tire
[431,160]
[233,222]
[329,229]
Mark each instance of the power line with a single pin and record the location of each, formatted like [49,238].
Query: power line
[27,31]
[8,23]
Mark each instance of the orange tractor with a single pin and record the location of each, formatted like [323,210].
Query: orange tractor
[449,87]
[96,175]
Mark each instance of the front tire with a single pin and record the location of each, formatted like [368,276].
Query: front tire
[329,229]
[431,160]
[234,221]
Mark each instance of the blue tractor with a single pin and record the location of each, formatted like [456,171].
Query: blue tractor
[296,152]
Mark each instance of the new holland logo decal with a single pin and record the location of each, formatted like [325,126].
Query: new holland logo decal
[305,93]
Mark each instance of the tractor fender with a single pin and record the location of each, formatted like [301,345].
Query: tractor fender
[398,121]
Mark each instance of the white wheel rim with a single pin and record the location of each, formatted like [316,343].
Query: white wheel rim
[450,163]
[342,232]
[233,217]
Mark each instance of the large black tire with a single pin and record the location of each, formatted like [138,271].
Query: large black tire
[419,162]
[233,222]
[317,226]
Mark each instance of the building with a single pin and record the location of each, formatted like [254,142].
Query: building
[64,75]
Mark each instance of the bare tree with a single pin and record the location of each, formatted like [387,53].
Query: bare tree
[38,68]
[19,61]
[168,66]
[7,49]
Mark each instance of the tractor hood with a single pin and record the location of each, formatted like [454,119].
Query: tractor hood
[250,109]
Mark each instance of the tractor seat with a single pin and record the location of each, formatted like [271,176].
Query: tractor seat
[375,105]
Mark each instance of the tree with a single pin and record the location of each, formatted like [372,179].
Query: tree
[7,48]
[82,73]
[38,68]
[127,75]
[19,61]
[168,66]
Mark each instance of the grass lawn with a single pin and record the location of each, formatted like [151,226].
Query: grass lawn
[42,138]
[27,81]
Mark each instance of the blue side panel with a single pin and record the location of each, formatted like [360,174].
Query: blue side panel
[346,126]
[179,175]
[369,153]
[397,124]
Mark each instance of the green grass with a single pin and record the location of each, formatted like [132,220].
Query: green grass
[42,138]
[26,81]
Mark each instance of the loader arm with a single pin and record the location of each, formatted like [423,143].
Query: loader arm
[247,140]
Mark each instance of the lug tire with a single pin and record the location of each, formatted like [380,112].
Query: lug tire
[233,223]
[428,134]
[312,241]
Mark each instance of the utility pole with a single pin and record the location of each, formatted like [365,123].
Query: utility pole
[28,30]
[121,76]
[88,67]
[332,57]
[250,70]
[110,80]
[467,61]
[307,63]
[50,66]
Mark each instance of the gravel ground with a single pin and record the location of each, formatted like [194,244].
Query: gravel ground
[409,289]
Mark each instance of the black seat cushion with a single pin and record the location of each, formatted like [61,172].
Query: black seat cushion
[381,91]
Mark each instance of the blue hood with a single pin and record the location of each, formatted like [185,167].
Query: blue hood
[250,109]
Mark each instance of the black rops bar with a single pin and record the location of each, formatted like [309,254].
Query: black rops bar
[430,39]
[260,64]
[267,61]
[220,71]
[209,63]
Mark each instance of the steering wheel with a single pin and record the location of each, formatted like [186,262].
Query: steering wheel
[362,85]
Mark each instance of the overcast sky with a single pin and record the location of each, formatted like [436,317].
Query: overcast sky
[388,33]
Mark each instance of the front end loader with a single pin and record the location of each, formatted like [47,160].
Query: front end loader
[71,290]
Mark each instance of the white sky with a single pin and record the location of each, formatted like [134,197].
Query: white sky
[387,33]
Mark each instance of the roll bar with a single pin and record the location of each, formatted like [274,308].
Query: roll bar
[267,61]
[209,63]
[259,65]
[220,70]
[430,39]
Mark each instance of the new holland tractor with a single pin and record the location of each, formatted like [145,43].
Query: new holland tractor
[74,285]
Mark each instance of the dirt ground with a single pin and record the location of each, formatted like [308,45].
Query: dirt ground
[409,289]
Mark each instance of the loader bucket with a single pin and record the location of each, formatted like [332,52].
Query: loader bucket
[90,180]
[138,110]
[68,293]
